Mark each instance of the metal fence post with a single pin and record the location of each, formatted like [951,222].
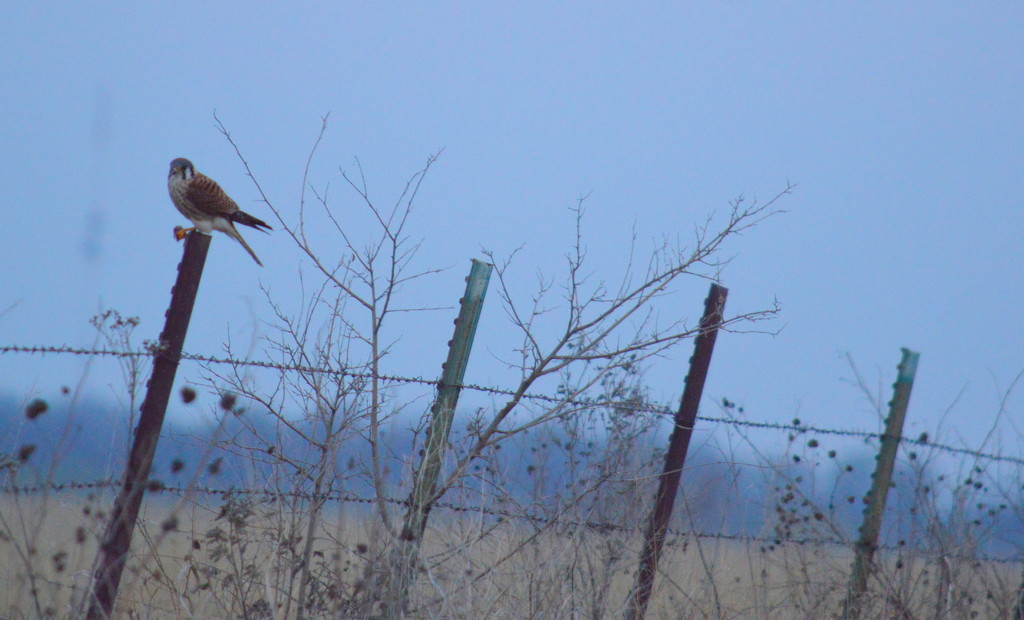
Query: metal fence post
[1018,609]
[864,549]
[116,543]
[425,482]
[679,442]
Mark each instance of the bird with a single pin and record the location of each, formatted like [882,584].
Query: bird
[201,200]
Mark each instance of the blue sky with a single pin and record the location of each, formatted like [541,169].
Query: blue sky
[900,123]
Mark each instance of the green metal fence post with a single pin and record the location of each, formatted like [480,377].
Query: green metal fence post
[864,549]
[425,482]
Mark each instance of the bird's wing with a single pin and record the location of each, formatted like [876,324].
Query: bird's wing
[204,193]
[241,217]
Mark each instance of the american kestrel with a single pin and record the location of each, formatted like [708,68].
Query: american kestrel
[201,200]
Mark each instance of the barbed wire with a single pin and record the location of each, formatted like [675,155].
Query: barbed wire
[655,409]
[767,542]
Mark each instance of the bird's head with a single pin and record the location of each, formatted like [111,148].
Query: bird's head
[182,168]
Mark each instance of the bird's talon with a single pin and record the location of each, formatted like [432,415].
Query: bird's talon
[180,232]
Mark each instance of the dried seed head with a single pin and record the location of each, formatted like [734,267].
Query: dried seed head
[227,401]
[36,408]
[25,452]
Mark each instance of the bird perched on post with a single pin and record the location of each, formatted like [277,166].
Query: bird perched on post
[202,201]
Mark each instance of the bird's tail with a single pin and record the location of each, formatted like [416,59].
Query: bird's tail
[234,234]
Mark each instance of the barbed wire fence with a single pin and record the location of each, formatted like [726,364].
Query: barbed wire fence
[539,517]
[651,408]
[516,514]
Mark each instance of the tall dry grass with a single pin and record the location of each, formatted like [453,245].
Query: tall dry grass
[229,559]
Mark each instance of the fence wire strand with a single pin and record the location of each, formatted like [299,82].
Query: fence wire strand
[655,409]
[596,526]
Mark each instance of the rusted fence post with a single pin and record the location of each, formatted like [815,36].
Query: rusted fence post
[425,482]
[679,442]
[864,549]
[117,539]
[1018,609]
